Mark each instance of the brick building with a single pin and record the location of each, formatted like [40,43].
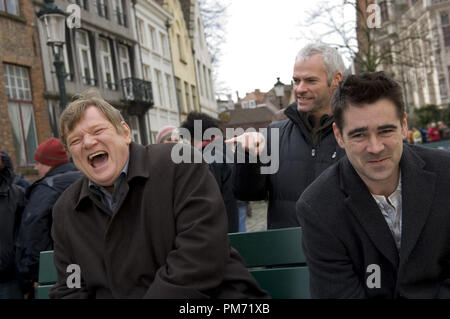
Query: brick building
[24,121]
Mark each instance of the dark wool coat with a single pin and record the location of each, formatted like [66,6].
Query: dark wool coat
[167,240]
[34,233]
[301,160]
[344,232]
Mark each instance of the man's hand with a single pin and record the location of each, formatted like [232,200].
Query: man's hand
[253,142]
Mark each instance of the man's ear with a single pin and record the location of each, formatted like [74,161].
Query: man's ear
[337,78]
[338,135]
[126,132]
[404,126]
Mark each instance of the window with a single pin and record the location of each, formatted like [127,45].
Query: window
[206,82]
[82,3]
[21,112]
[106,60]
[10,6]
[119,12]
[443,88]
[124,61]
[102,8]
[188,97]
[151,34]
[180,48]
[159,87]
[140,30]
[169,90]
[146,70]
[134,127]
[211,85]
[84,50]
[178,91]
[384,11]
[165,51]
[200,79]
[445,28]
[194,96]
[200,33]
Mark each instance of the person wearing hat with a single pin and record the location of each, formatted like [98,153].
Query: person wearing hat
[56,173]
[167,134]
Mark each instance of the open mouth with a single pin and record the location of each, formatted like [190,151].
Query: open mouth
[98,159]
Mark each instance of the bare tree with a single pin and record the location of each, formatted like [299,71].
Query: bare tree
[214,16]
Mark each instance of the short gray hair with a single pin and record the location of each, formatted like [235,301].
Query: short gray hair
[331,58]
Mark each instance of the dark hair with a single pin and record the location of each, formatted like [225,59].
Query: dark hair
[365,88]
[207,122]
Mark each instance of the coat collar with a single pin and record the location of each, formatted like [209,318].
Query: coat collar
[418,187]
[137,167]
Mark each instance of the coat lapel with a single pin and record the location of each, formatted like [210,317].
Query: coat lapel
[418,188]
[363,206]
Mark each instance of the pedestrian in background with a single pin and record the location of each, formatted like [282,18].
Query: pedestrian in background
[56,173]
[222,171]
[12,203]
[306,145]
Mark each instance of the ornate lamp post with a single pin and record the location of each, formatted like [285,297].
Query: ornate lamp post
[53,20]
[279,91]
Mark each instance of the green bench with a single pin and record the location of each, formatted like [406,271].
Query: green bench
[273,257]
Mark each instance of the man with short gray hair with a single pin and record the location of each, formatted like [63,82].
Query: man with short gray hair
[306,143]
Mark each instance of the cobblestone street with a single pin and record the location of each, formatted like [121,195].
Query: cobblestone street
[258,219]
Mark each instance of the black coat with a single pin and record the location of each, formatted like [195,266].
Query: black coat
[222,172]
[300,162]
[34,234]
[12,203]
[168,238]
[344,232]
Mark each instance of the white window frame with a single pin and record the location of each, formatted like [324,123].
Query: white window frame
[87,49]
[107,54]
[124,60]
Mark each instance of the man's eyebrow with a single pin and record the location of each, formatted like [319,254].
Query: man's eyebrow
[387,126]
[357,130]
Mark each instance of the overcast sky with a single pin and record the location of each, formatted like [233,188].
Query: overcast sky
[262,42]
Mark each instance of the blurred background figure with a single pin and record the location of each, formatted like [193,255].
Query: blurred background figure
[56,173]
[167,134]
[417,137]
[221,171]
[444,131]
[433,133]
[12,203]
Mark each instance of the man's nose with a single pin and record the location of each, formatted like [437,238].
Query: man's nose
[89,140]
[301,87]
[375,145]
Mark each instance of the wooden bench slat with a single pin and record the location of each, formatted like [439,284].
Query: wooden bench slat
[270,248]
[284,283]
[47,270]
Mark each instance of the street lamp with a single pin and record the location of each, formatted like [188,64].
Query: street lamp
[279,91]
[53,20]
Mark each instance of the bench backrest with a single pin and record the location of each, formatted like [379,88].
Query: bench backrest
[274,257]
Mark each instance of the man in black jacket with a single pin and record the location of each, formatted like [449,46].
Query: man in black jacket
[12,203]
[56,174]
[220,169]
[306,143]
[377,224]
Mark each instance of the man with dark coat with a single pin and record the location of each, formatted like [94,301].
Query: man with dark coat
[219,168]
[56,173]
[12,203]
[306,144]
[377,224]
[137,225]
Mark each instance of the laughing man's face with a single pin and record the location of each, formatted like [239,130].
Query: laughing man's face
[98,150]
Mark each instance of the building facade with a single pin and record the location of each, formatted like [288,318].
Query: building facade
[155,63]
[100,54]
[24,119]
[183,60]
[416,36]
[202,57]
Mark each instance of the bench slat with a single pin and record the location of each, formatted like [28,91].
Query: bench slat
[273,247]
[284,283]
[47,270]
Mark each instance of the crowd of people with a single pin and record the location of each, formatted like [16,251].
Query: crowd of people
[434,133]
[139,225]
